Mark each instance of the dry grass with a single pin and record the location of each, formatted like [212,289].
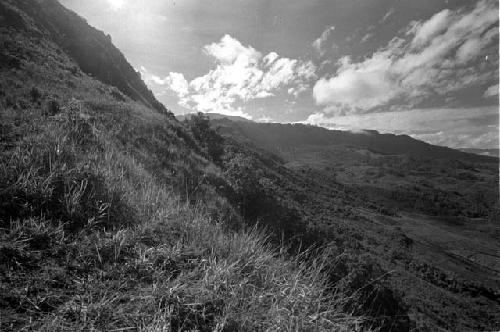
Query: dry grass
[107,221]
[93,240]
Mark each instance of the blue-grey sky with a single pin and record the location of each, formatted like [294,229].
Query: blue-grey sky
[427,68]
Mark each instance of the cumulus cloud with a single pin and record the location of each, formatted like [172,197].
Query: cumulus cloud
[150,78]
[491,91]
[241,74]
[434,58]
[177,83]
[269,59]
[228,50]
[318,44]
[362,85]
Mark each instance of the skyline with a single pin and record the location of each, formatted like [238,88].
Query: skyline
[426,69]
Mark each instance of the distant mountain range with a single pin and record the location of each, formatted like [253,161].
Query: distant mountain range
[214,116]
[278,138]
[483,152]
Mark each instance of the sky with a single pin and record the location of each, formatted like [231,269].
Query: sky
[426,68]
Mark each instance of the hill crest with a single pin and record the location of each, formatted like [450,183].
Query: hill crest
[89,47]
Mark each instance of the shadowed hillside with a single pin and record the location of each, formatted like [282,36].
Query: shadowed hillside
[282,137]
[427,214]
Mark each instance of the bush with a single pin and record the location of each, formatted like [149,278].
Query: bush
[74,70]
[52,108]
[117,95]
[361,280]
[209,139]
[35,94]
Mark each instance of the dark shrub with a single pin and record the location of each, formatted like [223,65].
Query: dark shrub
[35,94]
[117,95]
[361,278]
[10,101]
[52,107]
[9,61]
[23,104]
[208,138]
[74,70]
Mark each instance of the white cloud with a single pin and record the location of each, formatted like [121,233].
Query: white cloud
[366,37]
[270,58]
[491,91]
[150,78]
[473,47]
[424,32]
[363,85]
[295,91]
[318,43]
[468,50]
[306,71]
[430,61]
[116,4]
[177,83]
[281,72]
[241,74]
[463,127]
[228,50]
[387,15]
[265,119]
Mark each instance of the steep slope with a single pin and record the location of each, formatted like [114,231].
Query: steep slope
[431,221]
[114,216]
[110,218]
[90,48]
[391,171]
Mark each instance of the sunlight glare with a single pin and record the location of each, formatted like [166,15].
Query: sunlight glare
[116,4]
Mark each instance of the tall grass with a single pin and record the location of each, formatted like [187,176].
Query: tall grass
[108,221]
[94,239]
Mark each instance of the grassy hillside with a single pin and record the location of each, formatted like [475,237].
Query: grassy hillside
[432,223]
[115,216]
[92,240]
[392,172]
[92,49]
[110,219]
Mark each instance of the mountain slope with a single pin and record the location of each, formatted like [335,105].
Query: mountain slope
[110,212]
[115,216]
[90,48]
[429,218]
[213,116]
[278,137]
[391,171]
